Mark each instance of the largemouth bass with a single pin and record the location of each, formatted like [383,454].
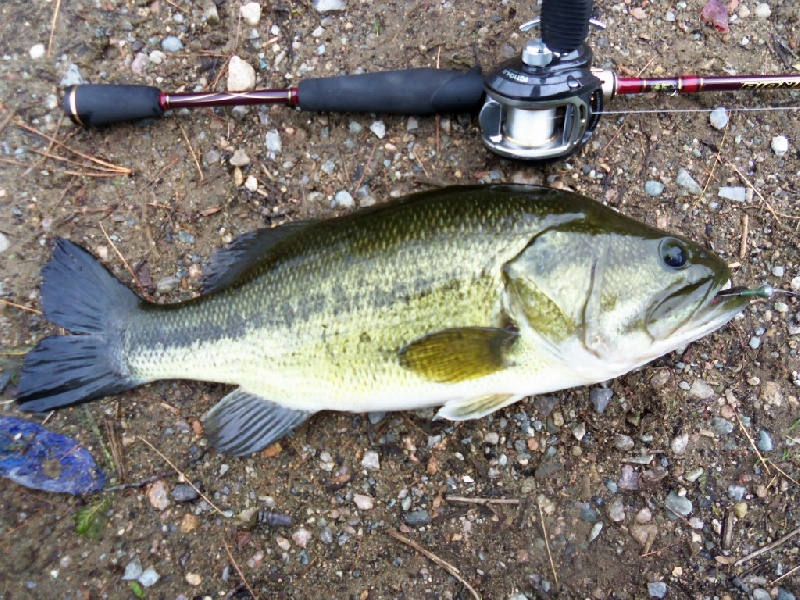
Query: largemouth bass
[468,298]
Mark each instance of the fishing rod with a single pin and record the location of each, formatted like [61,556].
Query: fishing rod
[541,105]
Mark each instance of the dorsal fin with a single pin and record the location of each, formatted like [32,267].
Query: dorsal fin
[228,263]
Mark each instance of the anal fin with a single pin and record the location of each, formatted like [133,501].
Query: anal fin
[243,423]
[465,409]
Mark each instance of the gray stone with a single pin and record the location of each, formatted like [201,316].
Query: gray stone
[329,5]
[765,442]
[171,44]
[735,193]
[184,493]
[371,461]
[736,492]
[417,518]
[343,199]
[653,188]
[600,398]
[240,158]
[5,244]
[149,577]
[718,118]
[687,182]
[679,505]
[274,143]
[379,129]
[133,570]
[657,589]
[721,426]
[168,284]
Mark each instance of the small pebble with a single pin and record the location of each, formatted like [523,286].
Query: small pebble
[761,594]
[780,145]
[184,493]
[694,474]
[736,492]
[600,398]
[157,494]
[755,342]
[363,502]
[687,182]
[251,13]
[149,577]
[301,537]
[679,444]
[251,183]
[168,284]
[657,589]
[701,390]
[72,76]
[492,438]
[171,44]
[679,505]
[721,426]
[371,461]
[376,417]
[719,117]
[740,509]
[5,244]
[355,127]
[763,11]
[778,271]
[623,442]
[240,158]
[37,51]
[653,188]
[379,129]
[596,529]
[133,570]
[629,479]
[241,75]
[274,143]
[764,441]
[329,5]
[417,517]
[735,193]
[194,579]
[616,510]
[343,199]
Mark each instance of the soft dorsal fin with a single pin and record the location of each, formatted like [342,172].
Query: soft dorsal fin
[243,423]
[228,263]
[458,354]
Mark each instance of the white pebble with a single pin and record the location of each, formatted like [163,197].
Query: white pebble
[241,75]
[795,283]
[736,193]
[157,57]
[718,117]
[780,145]
[763,11]
[363,502]
[274,141]
[251,183]
[301,537]
[251,13]
[149,577]
[371,461]
[171,44]
[379,129]
[36,51]
[5,244]
[329,5]
[343,199]
[778,271]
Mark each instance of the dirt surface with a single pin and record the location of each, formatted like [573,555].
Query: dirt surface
[684,428]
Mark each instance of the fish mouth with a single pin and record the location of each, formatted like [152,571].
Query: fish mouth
[715,303]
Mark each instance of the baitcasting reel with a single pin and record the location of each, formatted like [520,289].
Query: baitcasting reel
[545,103]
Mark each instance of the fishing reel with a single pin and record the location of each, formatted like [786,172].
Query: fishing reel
[545,103]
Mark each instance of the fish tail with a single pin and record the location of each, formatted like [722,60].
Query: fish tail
[79,294]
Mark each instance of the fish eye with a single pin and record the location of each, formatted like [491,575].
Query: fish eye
[673,253]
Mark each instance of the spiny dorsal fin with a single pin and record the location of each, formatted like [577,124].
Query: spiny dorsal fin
[228,263]
[475,408]
[459,354]
[242,423]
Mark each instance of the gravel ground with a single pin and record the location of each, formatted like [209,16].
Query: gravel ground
[663,484]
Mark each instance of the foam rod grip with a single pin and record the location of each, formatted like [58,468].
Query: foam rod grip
[420,91]
[565,23]
[99,104]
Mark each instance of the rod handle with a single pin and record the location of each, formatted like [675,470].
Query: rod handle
[103,104]
[418,91]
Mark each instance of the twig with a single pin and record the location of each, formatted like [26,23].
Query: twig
[122,258]
[717,160]
[784,575]
[366,168]
[20,306]
[430,555]
[547,544]
[239,571]
[118,169]
[177,470]
[483,501]
[53,26]
[767,548]
[752,443]
[194,156]
[745,233]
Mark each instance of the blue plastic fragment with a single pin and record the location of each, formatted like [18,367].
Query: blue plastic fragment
[40,459]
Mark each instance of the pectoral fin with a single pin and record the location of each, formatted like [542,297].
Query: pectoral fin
[454,355]
[474,408]
[242,423]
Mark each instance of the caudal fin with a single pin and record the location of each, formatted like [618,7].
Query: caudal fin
[81,295]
